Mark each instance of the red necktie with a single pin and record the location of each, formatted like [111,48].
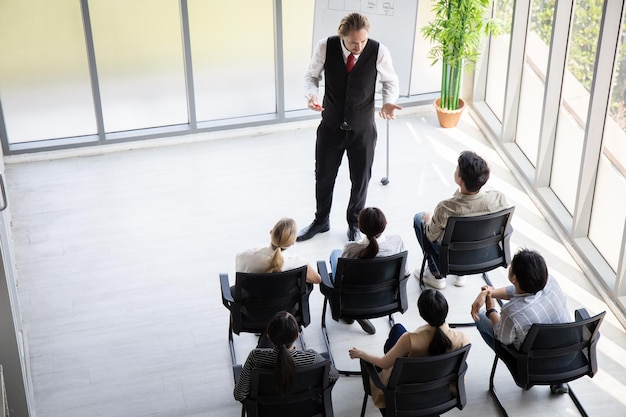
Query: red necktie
[350,63]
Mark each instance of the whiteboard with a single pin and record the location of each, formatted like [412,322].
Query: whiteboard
[392,24]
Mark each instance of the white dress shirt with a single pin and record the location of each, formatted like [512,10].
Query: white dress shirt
[384,66]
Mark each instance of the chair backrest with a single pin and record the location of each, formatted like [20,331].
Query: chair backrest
[369,288]
[429,385]
[310,395]
[554,353]
[475,244]
[257,297]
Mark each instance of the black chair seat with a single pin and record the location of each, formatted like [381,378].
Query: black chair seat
[473,245]
[552,354]
[424,386]
[310,395]
[363,289]
[256,298]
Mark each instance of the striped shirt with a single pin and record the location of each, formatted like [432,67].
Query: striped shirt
[266,358]
[523,310]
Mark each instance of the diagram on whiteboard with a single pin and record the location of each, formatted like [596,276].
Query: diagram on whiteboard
[379,7]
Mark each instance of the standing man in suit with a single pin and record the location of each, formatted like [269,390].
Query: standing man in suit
[350,62]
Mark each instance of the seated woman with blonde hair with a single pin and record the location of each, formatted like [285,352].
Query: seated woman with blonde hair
[273,258]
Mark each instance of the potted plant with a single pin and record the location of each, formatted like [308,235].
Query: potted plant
[456,33]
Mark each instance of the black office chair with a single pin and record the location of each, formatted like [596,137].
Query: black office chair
[552,354]
[363,289]
[472,245]
[309,397]
[256,298]
[424,386]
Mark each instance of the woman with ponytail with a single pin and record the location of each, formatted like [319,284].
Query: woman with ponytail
[433,338]
[276,351]
[273,258]
[372,223]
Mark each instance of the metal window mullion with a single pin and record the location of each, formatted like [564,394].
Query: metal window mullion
[557,65]
[93,71]
[3,132]
[517,54]
[279,61]
[189,84]
[600,98]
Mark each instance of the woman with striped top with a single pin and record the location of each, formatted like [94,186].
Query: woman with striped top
[276,350]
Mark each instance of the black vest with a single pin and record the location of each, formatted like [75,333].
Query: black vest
[349,97]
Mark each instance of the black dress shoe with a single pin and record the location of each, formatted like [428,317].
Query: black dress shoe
[311,230]
[367,326]
[354,235]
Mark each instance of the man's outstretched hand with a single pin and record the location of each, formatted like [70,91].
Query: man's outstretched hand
[387,112]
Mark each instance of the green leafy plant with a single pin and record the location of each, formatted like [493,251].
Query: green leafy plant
[457,32]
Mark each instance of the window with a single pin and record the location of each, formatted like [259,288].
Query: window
[139,57]
[44,77]
[232,44]
[575,96]
[533,78]
[497,63]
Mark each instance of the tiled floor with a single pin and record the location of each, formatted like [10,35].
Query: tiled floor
[118,256]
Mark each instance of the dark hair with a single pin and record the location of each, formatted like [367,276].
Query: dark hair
[530,269]
[433,308]
[372,223]
[282,330]
[473,170]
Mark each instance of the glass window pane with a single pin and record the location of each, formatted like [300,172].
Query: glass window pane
[233,65]
[425,78]
[298,47]
[497,64]
[138,48]
[609,209]
[44,76]
[575,97]
[609,201]
[534,77]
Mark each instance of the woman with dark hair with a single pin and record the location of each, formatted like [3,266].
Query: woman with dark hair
[276,350]
[433,338]
[372,223]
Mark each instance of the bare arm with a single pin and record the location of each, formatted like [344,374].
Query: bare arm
[312,276]
[402,348]
[486,298]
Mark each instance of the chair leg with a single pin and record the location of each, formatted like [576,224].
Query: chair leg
[579,406]
[422,285]
[364,404]
[327,342]
[492,389]
[231,343]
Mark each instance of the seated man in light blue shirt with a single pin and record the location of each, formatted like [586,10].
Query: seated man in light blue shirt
[534,297]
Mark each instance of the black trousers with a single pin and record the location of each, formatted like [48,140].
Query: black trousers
[332,142]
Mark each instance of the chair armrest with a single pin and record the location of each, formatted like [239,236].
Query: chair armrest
[581,314]
[368,370]
[227,298]
[327,283]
